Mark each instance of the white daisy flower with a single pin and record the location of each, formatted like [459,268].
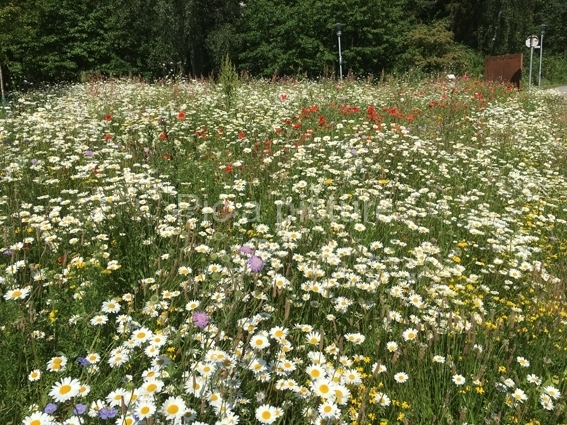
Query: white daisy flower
[259,342]
[174,408]
[329,410]
[34,375]
[401,377]
[459,380]
[17,294]
[266,414]
[382,399]
[65,389]
[38,418]
[519,395]
[552,392]
[145,408]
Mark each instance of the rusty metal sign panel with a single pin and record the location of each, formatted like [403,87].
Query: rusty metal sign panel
[507,68]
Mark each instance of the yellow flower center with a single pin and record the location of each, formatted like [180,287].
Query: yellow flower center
[266,415]
[64,389]
[173,409]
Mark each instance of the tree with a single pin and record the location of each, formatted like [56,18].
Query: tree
[431,48]
[299,36]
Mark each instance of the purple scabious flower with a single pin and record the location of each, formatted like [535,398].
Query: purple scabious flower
[89,153]
[255,263]
[246,250]
[7,253]
[107,413]
[200,319]
[34,161]
[79,409]
[50,408]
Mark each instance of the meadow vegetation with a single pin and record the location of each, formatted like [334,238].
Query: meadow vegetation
[286,252]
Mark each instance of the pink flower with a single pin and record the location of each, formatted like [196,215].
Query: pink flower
[255,263]
[200,319]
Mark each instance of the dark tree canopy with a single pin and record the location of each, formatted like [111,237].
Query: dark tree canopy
[64,40]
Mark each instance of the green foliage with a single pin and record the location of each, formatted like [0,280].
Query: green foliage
[52,41]
[554,69]
[431,49]
[228,79]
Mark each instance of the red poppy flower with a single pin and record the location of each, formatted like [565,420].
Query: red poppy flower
[107,136]
[241,135]
[166,156]
[283,96]
[181,115]
[228,169]
[108,117]
[163,136]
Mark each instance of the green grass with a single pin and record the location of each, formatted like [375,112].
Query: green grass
[405,247]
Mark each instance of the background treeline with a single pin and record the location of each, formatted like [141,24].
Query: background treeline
[64,40]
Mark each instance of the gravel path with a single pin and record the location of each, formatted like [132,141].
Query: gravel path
[562,89]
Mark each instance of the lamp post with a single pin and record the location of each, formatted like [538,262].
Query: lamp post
[540,54]
[338,27]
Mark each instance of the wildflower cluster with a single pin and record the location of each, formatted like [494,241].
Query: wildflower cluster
[328,254]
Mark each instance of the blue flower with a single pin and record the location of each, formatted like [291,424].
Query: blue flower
[79,409]
[107,413]
[50,408]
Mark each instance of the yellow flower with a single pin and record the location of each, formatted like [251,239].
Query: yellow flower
[456,259]
[53,315]
[502,369]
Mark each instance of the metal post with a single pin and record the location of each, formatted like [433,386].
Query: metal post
[338,26]
[531,61]
[340,57]
[540,54]
[1,83]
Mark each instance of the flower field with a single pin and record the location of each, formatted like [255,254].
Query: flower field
[311,253]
